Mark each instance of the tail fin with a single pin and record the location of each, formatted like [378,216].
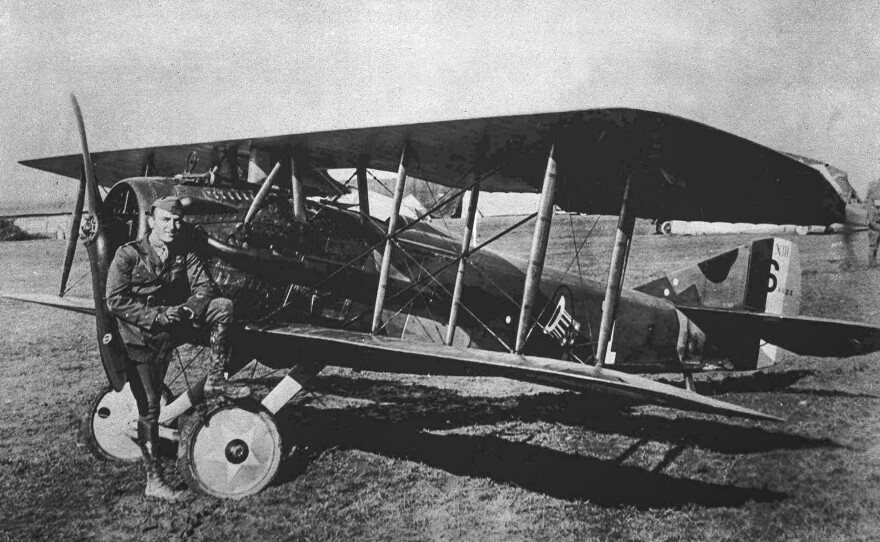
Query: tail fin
[763,276]
[783,296]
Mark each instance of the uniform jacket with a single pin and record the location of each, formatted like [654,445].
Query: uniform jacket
[140,286]
[873,217]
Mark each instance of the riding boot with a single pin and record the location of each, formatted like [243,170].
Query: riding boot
[216,384]
[872,257]
[148,439]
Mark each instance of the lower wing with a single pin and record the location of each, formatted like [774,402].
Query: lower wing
[376,353]
[75,304]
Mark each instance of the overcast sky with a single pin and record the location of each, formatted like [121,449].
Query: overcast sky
[796,76]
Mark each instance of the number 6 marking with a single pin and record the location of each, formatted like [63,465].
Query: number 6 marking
[771,287]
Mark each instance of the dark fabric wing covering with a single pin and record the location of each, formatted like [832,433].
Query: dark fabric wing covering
[681,169]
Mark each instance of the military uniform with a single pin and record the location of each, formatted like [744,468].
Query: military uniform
[140,286]
[163,296]
[873,233]
[872,202]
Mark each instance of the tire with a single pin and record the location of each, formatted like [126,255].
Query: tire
[230,452]
[109,424]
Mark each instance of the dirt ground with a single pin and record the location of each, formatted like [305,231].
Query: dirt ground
[384,457]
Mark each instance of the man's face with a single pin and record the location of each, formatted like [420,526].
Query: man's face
[165,225]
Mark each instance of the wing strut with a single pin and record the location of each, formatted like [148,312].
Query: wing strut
[462,263]
[625,226]
[389,242]
[73,235]
[232,162]
[363,190]
[297,194]
[261,195]
[539,250]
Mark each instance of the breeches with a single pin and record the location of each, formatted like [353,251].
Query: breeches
[146,378]
[146,381]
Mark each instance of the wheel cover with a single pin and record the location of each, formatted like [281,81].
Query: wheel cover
[236,452]
[114,424]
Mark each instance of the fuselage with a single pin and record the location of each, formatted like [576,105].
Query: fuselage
[325,271]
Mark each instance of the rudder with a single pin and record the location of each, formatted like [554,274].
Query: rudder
[762,276]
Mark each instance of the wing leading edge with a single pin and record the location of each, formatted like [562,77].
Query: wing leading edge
[75,304]
[681,169]
[375,353]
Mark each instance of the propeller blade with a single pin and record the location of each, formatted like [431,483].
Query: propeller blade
[100,253]
[88,167]
[73,236]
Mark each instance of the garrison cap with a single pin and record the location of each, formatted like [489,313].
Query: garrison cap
[170,204]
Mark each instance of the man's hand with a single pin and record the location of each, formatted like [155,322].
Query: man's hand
[172,315]
[176,314]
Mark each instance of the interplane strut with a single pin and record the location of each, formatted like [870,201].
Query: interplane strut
[462,264]
[622,239]
[539,250]
[392,227]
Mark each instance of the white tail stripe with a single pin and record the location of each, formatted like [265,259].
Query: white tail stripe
[784,292]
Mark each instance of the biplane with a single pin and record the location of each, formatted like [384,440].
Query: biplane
[318,281]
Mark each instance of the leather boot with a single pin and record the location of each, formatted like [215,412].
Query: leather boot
[148,439]
[216,384]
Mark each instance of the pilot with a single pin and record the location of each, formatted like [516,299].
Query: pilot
[162,296]
[872,204]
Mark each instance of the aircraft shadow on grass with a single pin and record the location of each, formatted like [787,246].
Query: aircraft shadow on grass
[397,422]
[776,381]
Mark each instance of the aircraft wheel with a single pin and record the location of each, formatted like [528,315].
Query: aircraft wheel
[231,452]
[109,424]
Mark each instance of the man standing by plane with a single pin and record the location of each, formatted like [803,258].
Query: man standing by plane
[162,296]
[872,204]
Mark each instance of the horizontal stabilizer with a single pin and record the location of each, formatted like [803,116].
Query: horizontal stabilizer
[377,353]
[802,335]
[75,304]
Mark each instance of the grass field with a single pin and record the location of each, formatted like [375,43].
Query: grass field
[383,457]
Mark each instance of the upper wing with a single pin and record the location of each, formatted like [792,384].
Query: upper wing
[681,169]
[802,335]
[370,352]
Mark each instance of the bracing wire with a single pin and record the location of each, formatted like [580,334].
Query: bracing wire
[401,229]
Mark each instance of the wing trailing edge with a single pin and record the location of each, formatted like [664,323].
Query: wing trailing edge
[376,353]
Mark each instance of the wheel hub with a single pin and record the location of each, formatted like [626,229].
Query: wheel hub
[237,451]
